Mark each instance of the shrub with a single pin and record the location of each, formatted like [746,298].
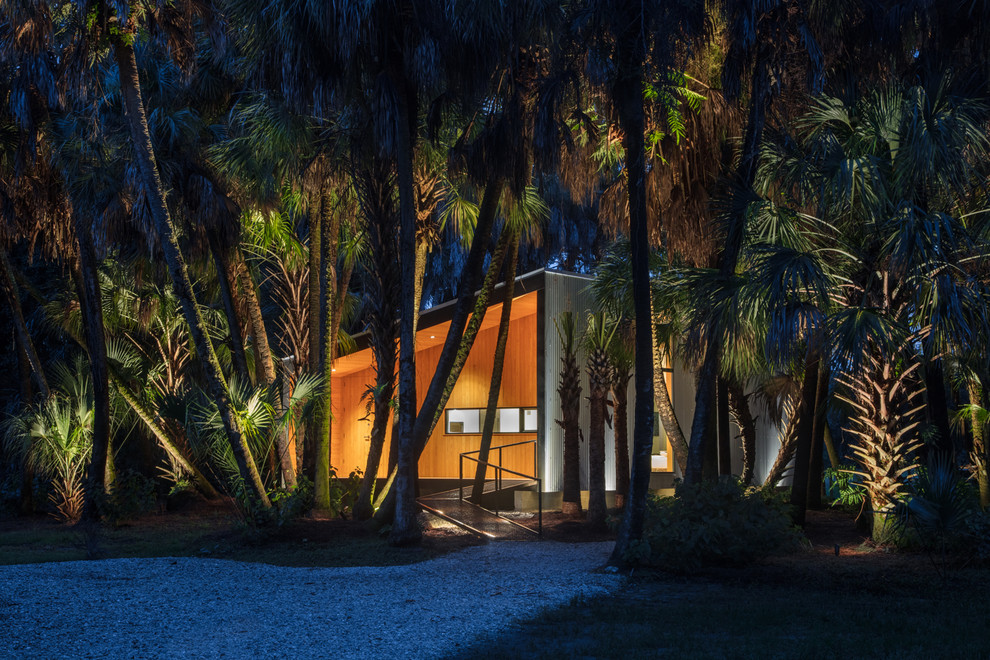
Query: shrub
[132,494]
[938,508]
[720,523]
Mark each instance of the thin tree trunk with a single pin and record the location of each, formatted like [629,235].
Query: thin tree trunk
[27,399]
[157,427]
[264,365]
[20,326]
[981,457]
[739,406]
[759,98]
[938,407]
[629,97]
[405,527]
[460,338]
[90,302]
[497,367]
[621,424]
[805,440]
[227,284]
[144,154]
[816,466]
[264,362]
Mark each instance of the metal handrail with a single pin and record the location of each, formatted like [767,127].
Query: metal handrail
[498,480]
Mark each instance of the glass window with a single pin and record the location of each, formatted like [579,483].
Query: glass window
[507,420]
[529,420]
[463,420]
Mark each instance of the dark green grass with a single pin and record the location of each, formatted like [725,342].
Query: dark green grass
[871,608]
[217,533]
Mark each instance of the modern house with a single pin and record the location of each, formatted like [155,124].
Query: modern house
[528,407]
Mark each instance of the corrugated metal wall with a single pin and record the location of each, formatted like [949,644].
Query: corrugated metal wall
[561,292]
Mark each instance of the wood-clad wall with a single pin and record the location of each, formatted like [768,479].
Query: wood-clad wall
[350,435]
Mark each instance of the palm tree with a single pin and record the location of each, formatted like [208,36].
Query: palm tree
[569,390]
[895,273]
[622,358]
[597,342]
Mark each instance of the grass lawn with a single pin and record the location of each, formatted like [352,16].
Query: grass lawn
[864,603]
[215,530]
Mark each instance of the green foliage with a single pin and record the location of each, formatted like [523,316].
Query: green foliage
[132,494]
[291,504]
[721,523]
[938,507]
[843,487]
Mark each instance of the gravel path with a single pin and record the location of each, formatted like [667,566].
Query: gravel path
[199,608]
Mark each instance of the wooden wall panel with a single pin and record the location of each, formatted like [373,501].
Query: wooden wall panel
[440,459]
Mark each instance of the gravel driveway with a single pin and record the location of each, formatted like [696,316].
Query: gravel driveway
[198,608]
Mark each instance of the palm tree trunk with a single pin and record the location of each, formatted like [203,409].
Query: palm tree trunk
[597,509]
[20,326]
[981,457]
[91,305]
[743,416]
[746,175]
[497,368]
[330,220]
[665,407]
[145,156]
[816,467]
[805,440]
[315,323]
[27,470]
[264,364]
[156,426]
[621,424]
[628,95]
[788,442]
[460,338]
[724,444]
[405,527]
[227,284]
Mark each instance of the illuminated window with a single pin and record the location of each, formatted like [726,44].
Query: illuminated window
[507,420]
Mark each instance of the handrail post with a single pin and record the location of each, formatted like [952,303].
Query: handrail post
[460,479]
[539,504]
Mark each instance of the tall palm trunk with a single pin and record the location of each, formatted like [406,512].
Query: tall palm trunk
[981,457]
[264,365]
[620,394]
[315,323]
[157,427]
[746,174]
[145,156]
[457,345]
[497,367]
[91,306]
[330,221]
[628,95]
[405,528]
[227,285]
[264,362]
